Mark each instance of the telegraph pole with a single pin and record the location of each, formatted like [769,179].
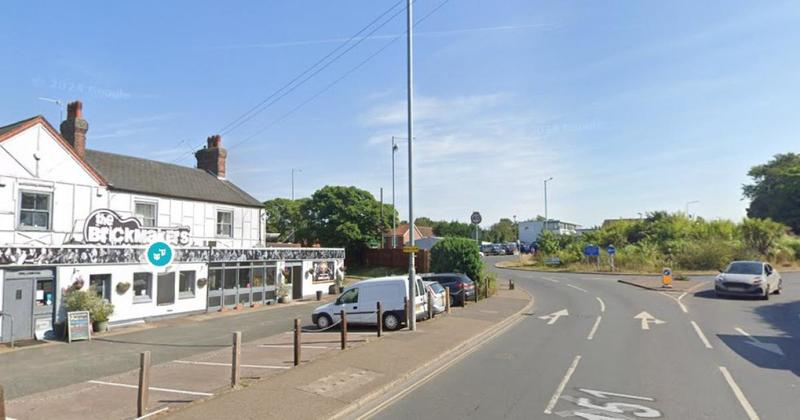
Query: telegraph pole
[412,290]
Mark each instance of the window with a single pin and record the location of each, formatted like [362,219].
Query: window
[34,210]
[101,284]
[44,292]
[142,287]
[350,296]
[225,223]
[146,212]
[186,284]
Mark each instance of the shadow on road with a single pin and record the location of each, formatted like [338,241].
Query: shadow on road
[146,343]
[709,294]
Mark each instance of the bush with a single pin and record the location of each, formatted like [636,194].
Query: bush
[761,235]
[81,300]
[706,255]
[459,255]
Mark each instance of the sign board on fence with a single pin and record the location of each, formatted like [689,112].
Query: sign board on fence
[410,249]
[79,326]
[591,251]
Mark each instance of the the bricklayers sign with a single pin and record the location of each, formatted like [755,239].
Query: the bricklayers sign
[106,227]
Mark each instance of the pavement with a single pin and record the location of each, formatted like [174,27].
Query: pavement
[598,349]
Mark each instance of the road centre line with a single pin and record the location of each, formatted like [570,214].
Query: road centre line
[577,288]
[602,304]
[152,388]
[192,362]
[677,300]
[550,280]
[701,335]
[562,385]
[594,328]
[751,413]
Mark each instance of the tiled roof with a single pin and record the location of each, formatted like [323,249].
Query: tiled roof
[166,179]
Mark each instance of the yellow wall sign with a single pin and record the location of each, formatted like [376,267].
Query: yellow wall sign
[666,277]
[410,249]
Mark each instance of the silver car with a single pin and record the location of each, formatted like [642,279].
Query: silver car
[438,293]
[748,278]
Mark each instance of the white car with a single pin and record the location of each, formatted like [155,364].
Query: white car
[748,278]
[359,301]
[438,293]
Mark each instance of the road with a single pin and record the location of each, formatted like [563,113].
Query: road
[597,349]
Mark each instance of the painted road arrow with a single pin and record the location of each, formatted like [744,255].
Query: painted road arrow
[554,316]
[770,347]
[648,319]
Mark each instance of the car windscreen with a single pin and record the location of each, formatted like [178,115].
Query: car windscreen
[744,268]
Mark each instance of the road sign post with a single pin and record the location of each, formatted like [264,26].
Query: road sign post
[476,220]
[611,251]
[666,278]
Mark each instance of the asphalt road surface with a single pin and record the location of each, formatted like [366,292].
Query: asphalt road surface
[597,349]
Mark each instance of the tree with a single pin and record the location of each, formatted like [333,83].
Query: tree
[424,221]
[761,235]
[547,243]
[503,231]
[459,255]
[283,216]
[453,228]
[348,217]
[775,191]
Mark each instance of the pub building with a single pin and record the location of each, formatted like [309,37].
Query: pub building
[72,217]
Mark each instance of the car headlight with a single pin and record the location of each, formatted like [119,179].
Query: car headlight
[720,279]
[757,280]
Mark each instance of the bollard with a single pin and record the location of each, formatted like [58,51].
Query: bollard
[405,311]
[2,404]
[476,291]
[463,297]
[430,305]
[511,285]
[297,341]
[380,319]
[447,299]
[236,356]
[486,293]
[343,316]
[319,294]
[144,384]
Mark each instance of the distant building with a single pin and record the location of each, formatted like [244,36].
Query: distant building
[530,230]
[402,236]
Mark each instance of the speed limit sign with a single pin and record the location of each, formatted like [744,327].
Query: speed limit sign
[476,218]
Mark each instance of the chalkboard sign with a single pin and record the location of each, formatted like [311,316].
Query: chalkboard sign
[79,326]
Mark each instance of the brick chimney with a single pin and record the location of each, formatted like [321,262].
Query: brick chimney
[212,157]
[74,128]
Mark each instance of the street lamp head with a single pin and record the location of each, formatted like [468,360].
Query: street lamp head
[394,148]
[549,179]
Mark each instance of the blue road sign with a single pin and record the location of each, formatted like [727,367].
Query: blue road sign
[159,254]
[611,250]
[591,251]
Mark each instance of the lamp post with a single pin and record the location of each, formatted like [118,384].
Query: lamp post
[689,203]
[293,171]
[546,219]
[412,290]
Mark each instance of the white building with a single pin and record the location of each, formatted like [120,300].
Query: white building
[530,230]
[74,218]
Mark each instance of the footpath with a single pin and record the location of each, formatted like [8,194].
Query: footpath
[338,384]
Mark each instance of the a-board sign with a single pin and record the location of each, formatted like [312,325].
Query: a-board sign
[79,326]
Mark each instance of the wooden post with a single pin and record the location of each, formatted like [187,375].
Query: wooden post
[343,316]
[511,285]
[2,404]
[447,299]
[477,290]
[144,384]
[379,319]
[405,310]
[236,359]
[297,341]
[430,305]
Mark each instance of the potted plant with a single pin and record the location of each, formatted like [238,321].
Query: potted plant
[284,293]
[100,313]
[99,309]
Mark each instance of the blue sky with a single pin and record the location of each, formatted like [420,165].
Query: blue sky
[631,106]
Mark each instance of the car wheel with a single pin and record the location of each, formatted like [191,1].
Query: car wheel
[766,294]
[779,289]
[391,322]
[324,321]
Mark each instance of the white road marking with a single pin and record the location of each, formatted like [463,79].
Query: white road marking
[647,319]
[562,385]
[602,304]
[751,413]
[578,288]
[606,394]
[291,346]
[770,347]
[594,328]
[151,414]
[701,335]
[550,280]
[192,362]
[554,316]
[152,388]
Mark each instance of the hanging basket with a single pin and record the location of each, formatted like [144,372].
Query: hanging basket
[201,283]
[123,287]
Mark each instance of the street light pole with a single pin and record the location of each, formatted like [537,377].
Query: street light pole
[688,203]
[546,219]
[293,171]
[412,290]
[394,206]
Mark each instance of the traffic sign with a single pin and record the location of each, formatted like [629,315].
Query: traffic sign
[410,249]
[666,277]
[611,250]
[591,251]
[476,218]
[160,254]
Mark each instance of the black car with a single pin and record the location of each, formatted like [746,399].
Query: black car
[461,287]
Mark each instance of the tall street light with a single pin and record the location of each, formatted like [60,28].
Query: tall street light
[546,219]
[293,171]
[412,290]
[689,203]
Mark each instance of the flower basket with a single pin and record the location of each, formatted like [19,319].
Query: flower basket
[201,283]
[123,287]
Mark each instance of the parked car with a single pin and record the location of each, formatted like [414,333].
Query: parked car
[461,287]
[438,292]
[359,301]
[748,278]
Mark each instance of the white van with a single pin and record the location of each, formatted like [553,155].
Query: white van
[359,301]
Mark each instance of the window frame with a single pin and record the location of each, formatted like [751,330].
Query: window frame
[49,211]
[191,292]
[218,223]
[143,202]
[106,282]
[147,298]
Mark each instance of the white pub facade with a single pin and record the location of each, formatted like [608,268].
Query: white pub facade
[75,218]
